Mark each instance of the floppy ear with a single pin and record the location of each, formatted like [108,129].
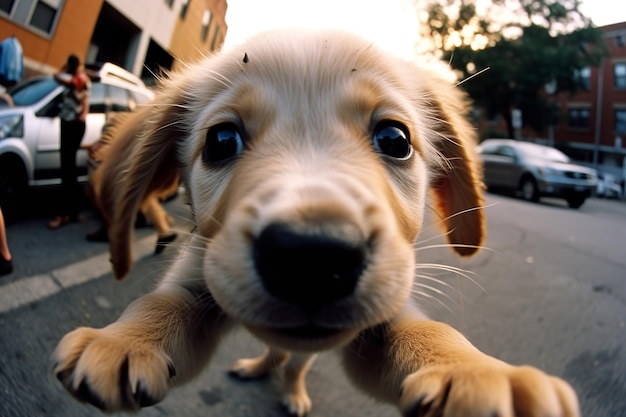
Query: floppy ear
[150,163]
[457,186]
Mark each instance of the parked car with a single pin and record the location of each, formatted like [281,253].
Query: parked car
[608,186]
[535,170]
[30,130]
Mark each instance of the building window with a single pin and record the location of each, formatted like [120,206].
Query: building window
[215,37]
[6,6]
[619,72]
[578,118]
[620,121]
[44,15]
[184,8]
[583,78]
[206,22]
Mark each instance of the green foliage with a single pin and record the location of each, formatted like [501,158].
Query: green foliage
[540,42]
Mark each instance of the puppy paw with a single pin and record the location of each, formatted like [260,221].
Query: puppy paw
[259,367]
[248,368]
[491,389]
[111,369]
[297,404]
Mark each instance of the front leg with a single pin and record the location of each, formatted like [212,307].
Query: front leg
[429,369]
[162,339]
[296,365]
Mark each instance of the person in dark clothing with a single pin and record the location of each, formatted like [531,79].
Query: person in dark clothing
[6,261]
[73,115]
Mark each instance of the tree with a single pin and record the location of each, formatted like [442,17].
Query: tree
[525,44]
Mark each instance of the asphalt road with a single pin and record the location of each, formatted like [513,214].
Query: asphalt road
[549,290]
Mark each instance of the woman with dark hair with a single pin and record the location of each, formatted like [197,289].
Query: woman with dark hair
[73,115]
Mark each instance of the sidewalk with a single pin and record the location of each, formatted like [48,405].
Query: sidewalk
[32,288]
[48,261]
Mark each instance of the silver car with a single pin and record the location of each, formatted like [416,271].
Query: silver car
[30,130]
[535,170]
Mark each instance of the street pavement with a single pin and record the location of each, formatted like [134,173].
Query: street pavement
[547,291]
[61,282]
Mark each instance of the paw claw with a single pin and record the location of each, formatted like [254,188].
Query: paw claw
[171,369]
[85,394]
[486,388]
[116,373]
[144,398]
[297,405]
[413,410]
[64,375]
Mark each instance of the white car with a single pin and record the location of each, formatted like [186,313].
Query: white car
[608,186]
[30,130]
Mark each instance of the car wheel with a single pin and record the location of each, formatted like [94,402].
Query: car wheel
[576,201]
[13,184]
[529,189]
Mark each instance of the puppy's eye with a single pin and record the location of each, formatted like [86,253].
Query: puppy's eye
[223,141]
[392,139]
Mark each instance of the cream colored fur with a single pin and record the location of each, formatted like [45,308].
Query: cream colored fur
[307,106]
[118,139]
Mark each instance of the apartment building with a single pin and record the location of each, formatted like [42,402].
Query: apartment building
[141,36]
[592,126]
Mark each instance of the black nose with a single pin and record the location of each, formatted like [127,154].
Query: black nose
[309,269]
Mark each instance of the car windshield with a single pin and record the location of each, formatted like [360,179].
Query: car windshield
[546,153]
[33,90]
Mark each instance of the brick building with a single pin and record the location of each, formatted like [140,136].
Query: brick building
[592,126]
[139,35]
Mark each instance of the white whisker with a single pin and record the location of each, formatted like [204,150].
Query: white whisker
[442,220]
[432,289]
[454,270]
[454,245]
[472,76]
[438,281]
[433,298]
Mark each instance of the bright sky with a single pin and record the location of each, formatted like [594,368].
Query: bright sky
[392,24]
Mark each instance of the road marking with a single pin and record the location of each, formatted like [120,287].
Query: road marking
[26,291]
[30,289]
[82,271]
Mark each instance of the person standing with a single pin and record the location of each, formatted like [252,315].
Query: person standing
[73,115]
[6,262]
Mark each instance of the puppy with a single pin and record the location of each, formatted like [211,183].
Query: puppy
[308,158]
[107,170]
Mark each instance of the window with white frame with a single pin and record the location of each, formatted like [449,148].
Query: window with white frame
[6,6]
[206,22]
[184,8]
[619,72]
[45,14]
[620,121]
[578,117]
[39,15]
[214,37]
[583,77]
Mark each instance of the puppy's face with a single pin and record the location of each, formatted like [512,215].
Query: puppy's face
[308,159]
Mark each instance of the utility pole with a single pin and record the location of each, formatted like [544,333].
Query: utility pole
[599,98]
